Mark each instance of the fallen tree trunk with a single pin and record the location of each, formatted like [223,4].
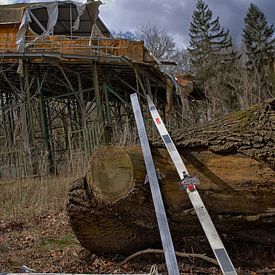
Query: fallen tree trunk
[250,132]
[111,209]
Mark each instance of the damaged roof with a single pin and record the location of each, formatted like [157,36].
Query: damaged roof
[13,14]
[25,3]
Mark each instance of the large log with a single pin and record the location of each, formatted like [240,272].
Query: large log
[111,209]
[250,132]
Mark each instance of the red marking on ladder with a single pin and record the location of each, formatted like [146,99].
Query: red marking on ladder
[191,187]
[158,121]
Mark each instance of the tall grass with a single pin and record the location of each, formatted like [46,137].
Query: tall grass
[38,194]
[23,194]
[33,196]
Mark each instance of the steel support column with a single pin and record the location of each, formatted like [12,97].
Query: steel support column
[44,126]
[97,94]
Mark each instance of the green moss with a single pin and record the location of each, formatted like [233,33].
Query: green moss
[65,241]
[243,118]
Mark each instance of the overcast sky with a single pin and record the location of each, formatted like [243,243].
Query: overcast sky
[175,15]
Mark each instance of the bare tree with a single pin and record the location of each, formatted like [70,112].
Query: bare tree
[158,41]
[161,45]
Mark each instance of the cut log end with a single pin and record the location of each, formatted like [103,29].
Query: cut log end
[110,174]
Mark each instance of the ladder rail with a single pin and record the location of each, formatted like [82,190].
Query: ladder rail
[194,196]
[166,239]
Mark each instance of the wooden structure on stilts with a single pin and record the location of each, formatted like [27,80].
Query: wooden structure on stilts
[65,90]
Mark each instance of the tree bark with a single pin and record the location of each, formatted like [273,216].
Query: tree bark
[249,132]
[111,209]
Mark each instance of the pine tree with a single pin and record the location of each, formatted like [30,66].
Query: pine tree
[212,60]
[210,45]
[258,39]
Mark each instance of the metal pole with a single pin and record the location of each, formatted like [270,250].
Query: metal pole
[97,94]
[26,130]
[28,105]
[83,116]
[166,239]
[71,23]
[44,126]
[107,103]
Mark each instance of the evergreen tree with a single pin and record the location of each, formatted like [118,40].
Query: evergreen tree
[212,60]
[125,35]
[210,45]
[259,42]
[258,39]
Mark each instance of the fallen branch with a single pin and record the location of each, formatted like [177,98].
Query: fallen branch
[266,271]
[179,254]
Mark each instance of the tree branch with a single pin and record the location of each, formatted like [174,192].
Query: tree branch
[179,254]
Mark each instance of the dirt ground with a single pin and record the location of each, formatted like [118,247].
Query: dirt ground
[35,232]
[45,243]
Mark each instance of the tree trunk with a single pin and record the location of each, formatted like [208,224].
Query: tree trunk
[249,132]
[111,209]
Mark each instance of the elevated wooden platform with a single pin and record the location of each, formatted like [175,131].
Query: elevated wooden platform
[67,95]
[62,95]
[75,46]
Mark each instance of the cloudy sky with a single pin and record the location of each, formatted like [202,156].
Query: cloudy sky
[175,15]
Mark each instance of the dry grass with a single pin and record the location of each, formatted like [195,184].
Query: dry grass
[33,196]
[24,196]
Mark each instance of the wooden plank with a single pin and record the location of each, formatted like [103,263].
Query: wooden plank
[77,46]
